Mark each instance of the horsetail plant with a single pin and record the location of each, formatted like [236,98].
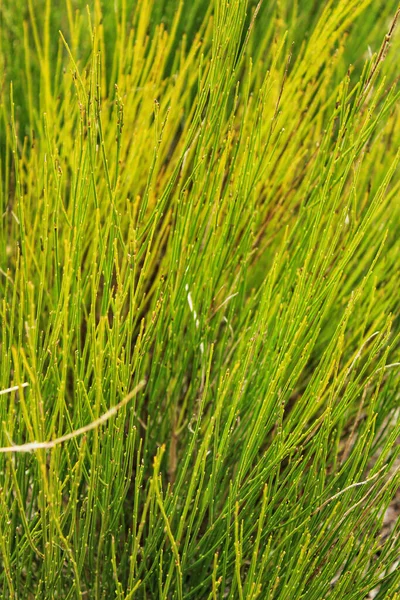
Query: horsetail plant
[199,300]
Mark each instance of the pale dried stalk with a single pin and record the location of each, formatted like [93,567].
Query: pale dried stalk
[31,446]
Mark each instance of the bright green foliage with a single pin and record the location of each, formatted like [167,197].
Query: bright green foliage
[202,196]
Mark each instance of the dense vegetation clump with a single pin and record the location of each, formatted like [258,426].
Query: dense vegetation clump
[199,300]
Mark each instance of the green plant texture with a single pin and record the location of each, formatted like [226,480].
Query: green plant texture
[199,299]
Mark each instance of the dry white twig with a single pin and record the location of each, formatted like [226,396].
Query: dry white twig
[14,388]
[346,489]
[31,446]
